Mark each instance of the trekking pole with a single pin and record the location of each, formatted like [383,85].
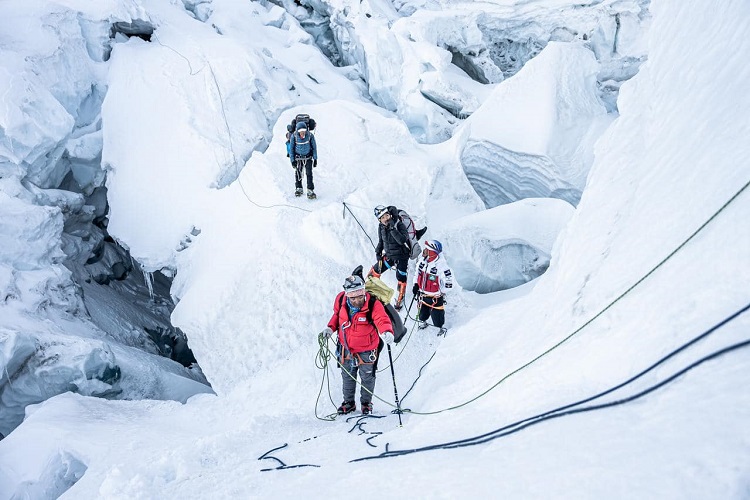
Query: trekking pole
[395,391]
[408,309]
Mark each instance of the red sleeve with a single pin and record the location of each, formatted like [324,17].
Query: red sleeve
[333,323]
[380,318]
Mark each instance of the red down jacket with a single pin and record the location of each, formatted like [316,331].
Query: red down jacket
[359,335]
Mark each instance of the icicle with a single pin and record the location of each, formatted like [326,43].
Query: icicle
[148,278]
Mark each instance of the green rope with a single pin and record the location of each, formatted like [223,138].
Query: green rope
[321,361]
[326,355]
[623,294]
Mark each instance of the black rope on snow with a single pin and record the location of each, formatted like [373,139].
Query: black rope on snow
[346,207]
[416,379]
[518,426]
[601,312]
[570,410]
[282,465]
[375,434]
[361,420]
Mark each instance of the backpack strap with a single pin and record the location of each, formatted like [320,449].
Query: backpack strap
[370,305]
[341,302]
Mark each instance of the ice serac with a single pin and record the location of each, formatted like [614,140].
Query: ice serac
[220,96]
[39,366]
[433,63]
[535,134]
[53,240]
[506,246]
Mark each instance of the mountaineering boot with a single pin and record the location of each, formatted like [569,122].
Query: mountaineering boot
[346,407]
[420,232]
[311,195]
[422,325]
[373,273]
[401,292]
[366,408]
[442,331]
[298,192]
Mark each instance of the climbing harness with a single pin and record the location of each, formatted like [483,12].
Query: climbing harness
[301,162]
[322,360]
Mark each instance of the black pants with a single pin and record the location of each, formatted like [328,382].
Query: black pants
[305,164]
[400,263]
[438,315]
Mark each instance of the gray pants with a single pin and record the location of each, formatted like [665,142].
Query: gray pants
[366,373]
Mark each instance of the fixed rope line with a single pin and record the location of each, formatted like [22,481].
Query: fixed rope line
[418,377]
[234,156]
[512,429]
[597,315]
[229,134]
[570,410]
[346,207]
[190,66]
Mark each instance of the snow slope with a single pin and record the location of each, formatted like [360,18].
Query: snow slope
[652,257]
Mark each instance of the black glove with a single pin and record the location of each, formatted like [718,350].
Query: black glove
[315,163]
[378,256]
[415,289]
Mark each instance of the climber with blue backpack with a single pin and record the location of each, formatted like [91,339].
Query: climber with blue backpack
[303,153]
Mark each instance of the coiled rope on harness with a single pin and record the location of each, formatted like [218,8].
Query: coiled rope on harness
[322,359]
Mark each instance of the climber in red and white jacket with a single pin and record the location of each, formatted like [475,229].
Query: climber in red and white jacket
[433,278]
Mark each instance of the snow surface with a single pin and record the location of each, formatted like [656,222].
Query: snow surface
[651,257]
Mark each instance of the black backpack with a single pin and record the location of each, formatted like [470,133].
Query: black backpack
[302,117]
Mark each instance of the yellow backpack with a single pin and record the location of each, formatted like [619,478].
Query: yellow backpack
[376,287]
